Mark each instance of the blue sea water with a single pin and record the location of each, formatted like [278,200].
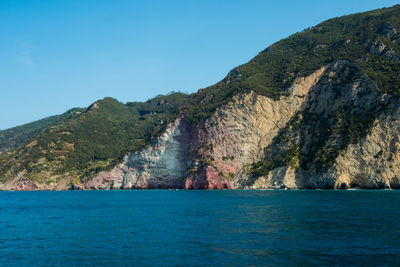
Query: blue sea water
[205,228]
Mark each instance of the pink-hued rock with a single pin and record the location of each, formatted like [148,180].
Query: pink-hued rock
[236,134]
[24,184]
[111,179]
[208,155]
[208,178]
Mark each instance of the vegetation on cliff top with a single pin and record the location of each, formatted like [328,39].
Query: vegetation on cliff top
[369,40]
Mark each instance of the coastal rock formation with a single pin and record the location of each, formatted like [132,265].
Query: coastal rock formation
[160,165]
[218,153]
[375,161]
[370,162]
[24,184]
[237,133]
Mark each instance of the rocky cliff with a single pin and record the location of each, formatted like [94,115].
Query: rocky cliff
[236,134]
[222,151]
[209,155]
[319,109]
[163,164]
[340,128]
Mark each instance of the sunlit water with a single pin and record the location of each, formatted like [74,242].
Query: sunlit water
[162,227]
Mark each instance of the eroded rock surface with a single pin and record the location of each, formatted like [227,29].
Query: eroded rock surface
[375,161]
[237,133]
[220,152]
[370,162]
[301,138]
[24,184]
[161,165]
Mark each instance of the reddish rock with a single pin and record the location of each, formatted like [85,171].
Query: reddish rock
[24,184]
[111,179]
[208,178]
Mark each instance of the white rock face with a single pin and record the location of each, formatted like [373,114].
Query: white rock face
[279,178]
[161,165]
[375,161]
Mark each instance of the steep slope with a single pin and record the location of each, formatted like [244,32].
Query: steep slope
[286,118]
[358,84]
[334,116]
[368,40]
[319,109]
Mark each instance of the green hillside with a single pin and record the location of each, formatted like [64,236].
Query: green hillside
[273,70]
[13,137]
[95,140]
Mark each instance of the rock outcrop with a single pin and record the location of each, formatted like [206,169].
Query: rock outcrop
[163,164]
[24,184]
[374,162]
[236,134]
[369,161]
[220,152]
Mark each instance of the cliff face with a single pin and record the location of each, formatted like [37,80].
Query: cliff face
[237,133]
[333,153]
[333,129]
[375,161]
[161,165]
[210,155]
[222,151]
[299,155]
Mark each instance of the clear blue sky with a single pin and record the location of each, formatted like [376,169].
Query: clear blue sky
[60,54]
